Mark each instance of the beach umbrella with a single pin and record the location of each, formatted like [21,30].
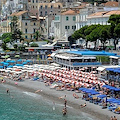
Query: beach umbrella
[20,60]
[10,66]
[12,61]
[17,56]
[6,56]
[102,96]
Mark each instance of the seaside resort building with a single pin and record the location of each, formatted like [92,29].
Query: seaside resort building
[78,59]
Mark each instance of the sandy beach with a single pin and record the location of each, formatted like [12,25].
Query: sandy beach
[93,110]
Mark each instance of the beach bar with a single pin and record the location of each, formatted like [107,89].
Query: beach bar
[77,59]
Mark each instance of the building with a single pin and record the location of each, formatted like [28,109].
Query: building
[44,9]
[27,23]
[101,17]
[78,59]
[64,25]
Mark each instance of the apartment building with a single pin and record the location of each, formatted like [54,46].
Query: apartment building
[101,17]
[27,23]
[64,25]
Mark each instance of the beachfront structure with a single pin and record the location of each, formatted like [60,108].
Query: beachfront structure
[64,25]
[78,59]
[115,60]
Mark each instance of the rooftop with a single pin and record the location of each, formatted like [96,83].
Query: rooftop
[94,53]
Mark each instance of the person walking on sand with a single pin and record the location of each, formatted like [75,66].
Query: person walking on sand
[111,118]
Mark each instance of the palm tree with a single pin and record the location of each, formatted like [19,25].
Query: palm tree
[37,35]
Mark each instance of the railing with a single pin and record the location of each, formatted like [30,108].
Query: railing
[86,63]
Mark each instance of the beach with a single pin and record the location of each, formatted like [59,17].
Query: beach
[93,110]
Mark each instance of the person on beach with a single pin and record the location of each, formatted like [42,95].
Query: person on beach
[111,118]
[114,118]
[83,105]
[64,111]
[62,97]
[65,102]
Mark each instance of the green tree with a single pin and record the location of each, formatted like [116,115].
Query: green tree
[37,35]
[16,33]
[104,34]
[114,20]
[94,35]
[34,45]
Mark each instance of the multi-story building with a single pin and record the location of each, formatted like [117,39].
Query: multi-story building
[44,9]
[64,25]
[101,17]
[27,23]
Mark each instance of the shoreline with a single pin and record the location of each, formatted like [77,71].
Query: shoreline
[95,111]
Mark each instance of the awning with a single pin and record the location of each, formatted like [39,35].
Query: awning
[100,68]
[114,57]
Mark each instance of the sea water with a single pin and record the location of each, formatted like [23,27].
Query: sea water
[23,105]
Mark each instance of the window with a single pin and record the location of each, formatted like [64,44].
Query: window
[56,17]
[73,27]
[67,27]
[45,12]
[36,1]
[41,13]
[67,18]
[33,30]
[25,30]
[58,6]
[26,37]
[45,6]
[34,24]
[25,24]
[33,6]
[51,7]
[74,18]
[33,1]
[41,7]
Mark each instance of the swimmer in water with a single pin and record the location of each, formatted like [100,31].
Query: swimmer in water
[8,92]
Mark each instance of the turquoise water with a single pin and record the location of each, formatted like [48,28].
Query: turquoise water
[22,105]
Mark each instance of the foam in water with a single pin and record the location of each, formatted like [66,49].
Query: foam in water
[31,94]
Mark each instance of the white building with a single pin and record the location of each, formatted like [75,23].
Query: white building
[64,25]
[81,18]
[101,17]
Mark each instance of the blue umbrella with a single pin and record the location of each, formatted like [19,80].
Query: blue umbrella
[111,99]
[19,60]
[81,89]
[94,93]
[12,61]
[10,66]
[102,96]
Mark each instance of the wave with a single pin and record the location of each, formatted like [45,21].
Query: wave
[31,94]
